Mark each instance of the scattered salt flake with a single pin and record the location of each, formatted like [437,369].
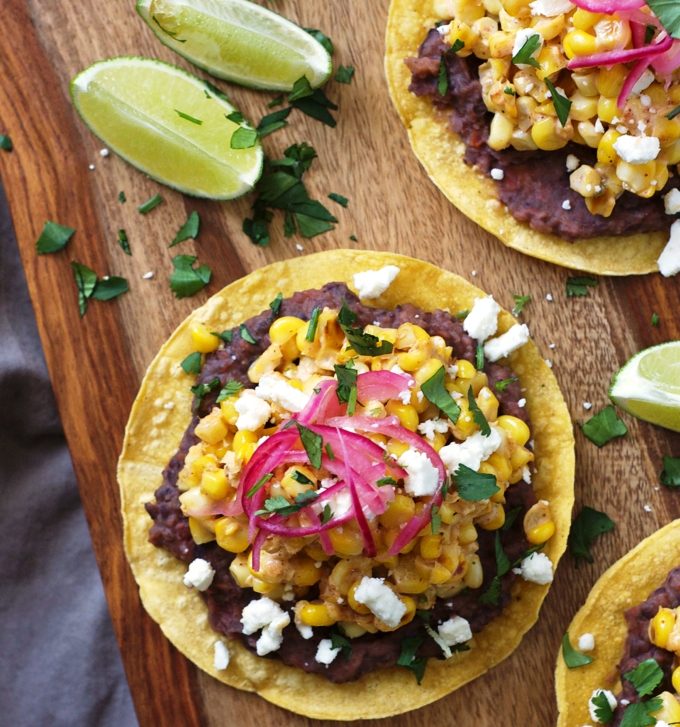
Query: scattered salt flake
[647,508]
[521,403]
[548,363]
[587,405]
[299,247]
[573,163]
[551,345]
[91,167]
[645,100]
[599,129]
[669,260]
[147,276]
[105,153]
[474,273]
[221,659]
[549,297]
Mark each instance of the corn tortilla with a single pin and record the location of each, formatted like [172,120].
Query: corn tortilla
[152,437]
[630,581]
[441,152]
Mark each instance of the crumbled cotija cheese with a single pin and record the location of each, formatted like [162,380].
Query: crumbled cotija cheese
[221,659]
[482,321]
[669,260]
[551,8]
[586,642]
[430,426]
[200,575]
[325,653]
[523,35]
[504,345]
[497,174]
[422,475]
[537,568]
[671,202]
[455,631]
[253,411]
[373,283]
[381,600]
[472,452]
[277,390]
[267,615]
[637,149]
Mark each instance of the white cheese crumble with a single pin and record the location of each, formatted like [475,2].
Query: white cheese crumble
[147,276]
[522,403]
[339,502]
[573,163]
[422,475]
[548,363]
[587,405]
[523,35]
[103,152]
[671,202]
[277,390]
[482,321]
[645,100]
[669,260]
[586,642]
[325,653]
[646,508]
[200,574]
[644,82]
[430,426]
[504,345]
[566,205]
[267,615]
[472,452]
[551,8]
[497,174]
[526,475]
[537,568]
[299,247]
[455,631]
[444,29]
[373,283]
[637,149]
[549,297]
[221,659]
[591,706]
[305,631]
[91,167]
[253,412]
[381,600]
[599,129]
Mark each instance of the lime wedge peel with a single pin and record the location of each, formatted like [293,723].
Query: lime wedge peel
[238,41]
[648,386]
[168,124]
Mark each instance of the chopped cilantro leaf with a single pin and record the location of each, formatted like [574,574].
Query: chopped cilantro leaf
[188,230]
[509,91]
[216,91]
[347,383]
[525,53]
[561,103]
[386,481]
[327,514]
[670,474]
[436,520]
[577,287]
[353,238]
[278,505]
[86,280]
[329,451]
[478,415]
[501,386]
[588,525]
[275,305]
[192,363]
[338,641]
[6,143]
[277,101]
[301,89]
[511,516]
[639,714]
[407,657]
[673,113]
[299,477]
[474,486]
[573,658]
[655,319]
[53,238]
[243,138]
[273,122]
[492,593]
[435,392]
[150,204]
[321,37]
[520,302]
[338,198]
[186,280]
[311,441]
[364,344]
[182,115]
[502,560]
[124,242]
[110,287]
[121,197]
[260,483]
[235,116]
[649,34]
[646,677]
[231,389]
[462,314]
[313,325]
[668,13]
[602,708]
[226,336]
[604,427]
[344,74]
[479,357]
[246,334]
[314,104]
[200,390]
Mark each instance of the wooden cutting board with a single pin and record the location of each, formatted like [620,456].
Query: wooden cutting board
[97,363]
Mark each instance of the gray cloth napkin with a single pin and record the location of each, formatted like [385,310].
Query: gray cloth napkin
[59,661]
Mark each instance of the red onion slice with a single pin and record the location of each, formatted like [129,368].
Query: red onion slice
[611,58]
[382,385]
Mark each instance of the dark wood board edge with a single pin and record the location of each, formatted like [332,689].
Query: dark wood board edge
[42,180]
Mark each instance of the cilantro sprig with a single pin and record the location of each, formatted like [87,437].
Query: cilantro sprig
[200,390]
[478,415]
[668,13]
[53,238]
[646,677]
[188,230]
[407,657]
[365,344]
[588,525]
[311,441]
[604,427]
[520,302]
[192,363]
[474,486]
[344,74]
[435,392]
[578,287]
[639,714]
[602,708]
[89,286]
[670,474]
[525,53]
[561,103]
[124,242]
[186,280]
[230,389]
[501,386]
[346,390]
[278,505]
[572,658]
[443,76]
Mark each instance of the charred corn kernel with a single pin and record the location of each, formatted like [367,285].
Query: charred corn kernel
[539,525]
[417,331]
[551,60]
[488,403]
[494,519]
[450,557]
[475,574]
[305,572]
[586,181]
[661,627]
[500,132]
[501,465]
[389,536]
[354,604]
[584,20]
[467,534]
[399,511]
[199,533]
[406,414]
[391,561]
[670,154]
[637,177]
[670,709]
[541,533]
[675,679]
[408,581]
[212,429]
[247,451]
[262,587]
[294,487]
[264,364]
[289,350]
[384,334]
[215,484]
[486,468]
[239,569]
[347,572]
[666,130]
[612,33]
[431,546]
[439,441]
[229,413]
[579,43]
[243,437]
[380,439]
[199,465]
[316,552]
[501,44]
[410,610]
[548,133]
[514,7]
[465,422]
[520,457]
[397,448]
[231,535]
[315,614]
[582,107]
[413,360]
[346,541]
[202,338]
[447,513]
[517,430]
[586,81]
[610,80]
[219,449]
[463,32]
[607,109]
[283,329]
[428,370]
[418,400]
[465,369]
[589,134]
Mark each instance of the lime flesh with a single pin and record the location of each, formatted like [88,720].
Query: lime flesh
[648,386]
[134,104]
[239,41]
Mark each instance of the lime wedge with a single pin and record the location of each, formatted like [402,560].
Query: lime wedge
[648,386]
[239,41]
[169,125]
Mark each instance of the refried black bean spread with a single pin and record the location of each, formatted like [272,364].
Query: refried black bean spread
[225,599]
[535,183]
[638,646]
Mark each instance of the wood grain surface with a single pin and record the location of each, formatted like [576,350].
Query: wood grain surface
[97,363]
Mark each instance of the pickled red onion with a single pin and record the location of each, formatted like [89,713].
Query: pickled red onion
[632,78]
[382,385]
[609,7]
[612,57]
